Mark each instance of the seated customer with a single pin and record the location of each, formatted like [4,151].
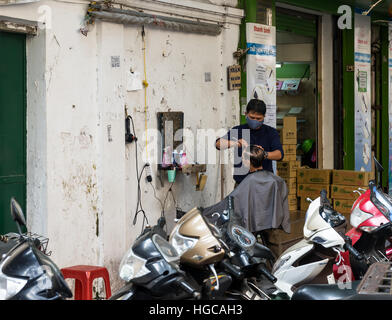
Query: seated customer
[260,200]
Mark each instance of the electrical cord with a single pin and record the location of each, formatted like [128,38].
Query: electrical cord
[155,196]
[139,206]
[139,202]
[139,191]
[167,194]
[162,205]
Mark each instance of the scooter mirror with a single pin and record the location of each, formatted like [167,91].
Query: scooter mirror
[379,167]
[309,200]
[17,214]
[379,170]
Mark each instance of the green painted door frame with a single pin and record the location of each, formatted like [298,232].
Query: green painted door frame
[381,131]
[250,8]
[385,103]
[12,125]
[348,99]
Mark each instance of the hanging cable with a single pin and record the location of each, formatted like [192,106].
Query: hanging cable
[139,206]
[160,201]
[164,203]
[167,194]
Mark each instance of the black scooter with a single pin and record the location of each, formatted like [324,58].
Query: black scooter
[151,270]
[26,272]
[246,259]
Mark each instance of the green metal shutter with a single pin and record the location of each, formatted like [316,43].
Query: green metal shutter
[296,24]
[12,125]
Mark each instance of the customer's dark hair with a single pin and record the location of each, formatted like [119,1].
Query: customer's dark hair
[254,154]
[257,106]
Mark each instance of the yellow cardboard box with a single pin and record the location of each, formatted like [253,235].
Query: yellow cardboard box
[319,176]
[345,192]
[297,214]
[290,157]
[291,183]
[287,169]
[350,178]
[289,149]
[311,190]
[343,206]
[289,131]
[293,202]
[279,236]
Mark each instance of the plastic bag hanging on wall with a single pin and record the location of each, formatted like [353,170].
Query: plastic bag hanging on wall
[134,81]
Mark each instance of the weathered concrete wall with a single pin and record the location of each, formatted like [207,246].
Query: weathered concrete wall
[82,187]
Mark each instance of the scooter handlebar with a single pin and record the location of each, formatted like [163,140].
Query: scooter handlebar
[231,269]
[189,289]
[348,246]
[265,272]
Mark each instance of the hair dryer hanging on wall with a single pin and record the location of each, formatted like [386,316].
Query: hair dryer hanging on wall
[129,137]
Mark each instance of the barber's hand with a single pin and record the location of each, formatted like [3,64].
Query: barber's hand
[264,152]
[242,143]
[259,147]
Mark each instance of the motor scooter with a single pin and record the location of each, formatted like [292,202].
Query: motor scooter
[220,254]
[26,272]
[248,257]
[201,234]
[371,235]
[323,240]
[151,270]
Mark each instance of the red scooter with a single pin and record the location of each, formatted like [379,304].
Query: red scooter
[371,235]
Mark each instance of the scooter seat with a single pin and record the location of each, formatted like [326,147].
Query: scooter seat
[324,292]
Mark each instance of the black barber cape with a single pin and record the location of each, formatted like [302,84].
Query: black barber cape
[260,202]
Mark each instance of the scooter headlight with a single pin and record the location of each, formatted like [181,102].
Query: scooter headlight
[181,243]
[9,286]
[165,248]
[358,216]
[132,266]
[368,229]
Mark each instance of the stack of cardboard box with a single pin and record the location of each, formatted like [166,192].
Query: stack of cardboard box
[339,184]
[344,183]
[287,169]
[310,182]
[278,240]
[289,131]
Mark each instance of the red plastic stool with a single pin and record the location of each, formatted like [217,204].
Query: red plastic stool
[84,277]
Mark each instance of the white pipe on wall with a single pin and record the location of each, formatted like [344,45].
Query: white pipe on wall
[137,18]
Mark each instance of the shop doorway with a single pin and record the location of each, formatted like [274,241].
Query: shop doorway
[296,73]
[12,125]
